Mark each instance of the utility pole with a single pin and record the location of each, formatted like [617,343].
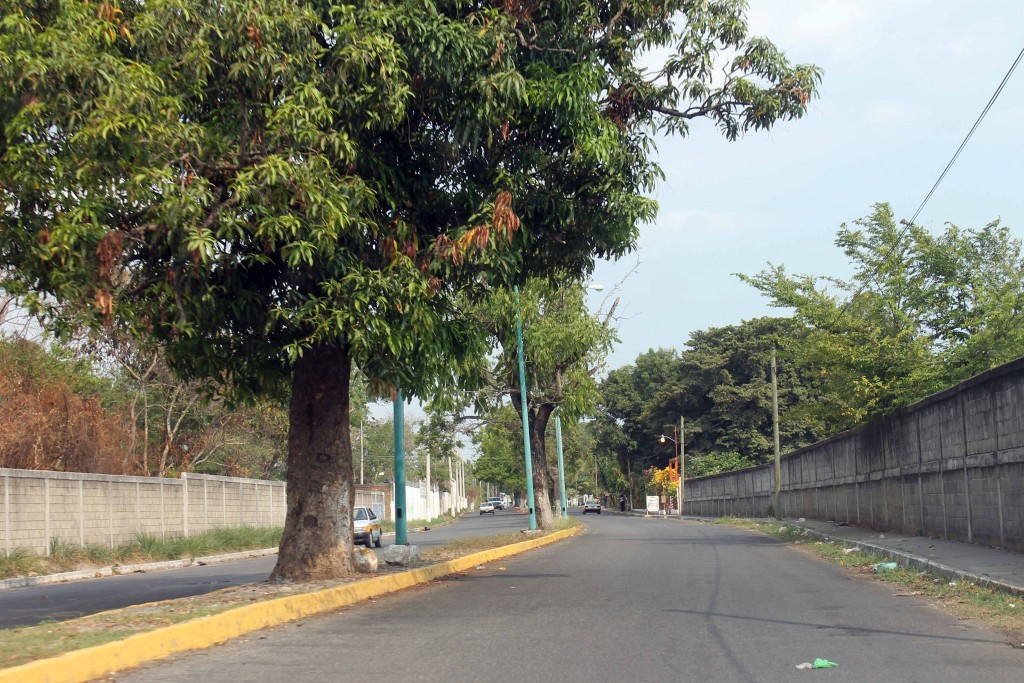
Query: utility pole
[526,418]
[682,464]
[451,487]
[775,437]
[561,465]
[430,493]
[629,478]
[361,452]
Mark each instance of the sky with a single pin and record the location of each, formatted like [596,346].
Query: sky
[904,81]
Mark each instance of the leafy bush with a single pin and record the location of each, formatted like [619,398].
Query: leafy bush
[20,562]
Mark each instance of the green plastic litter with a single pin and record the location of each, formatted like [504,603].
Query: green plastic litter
[823,664]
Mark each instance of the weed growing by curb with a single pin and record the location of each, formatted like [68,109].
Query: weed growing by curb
[66,557]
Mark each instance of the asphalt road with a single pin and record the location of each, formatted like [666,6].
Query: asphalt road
[631,600]
[58,602]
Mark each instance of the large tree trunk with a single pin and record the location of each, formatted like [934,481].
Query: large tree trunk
[542,480]
[317,541]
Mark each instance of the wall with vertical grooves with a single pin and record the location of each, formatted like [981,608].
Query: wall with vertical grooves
[105,509]
[950,466]
[81,509]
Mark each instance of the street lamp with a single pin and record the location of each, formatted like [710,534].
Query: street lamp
[561,464]
[526,418]
[680,460]
[558,438]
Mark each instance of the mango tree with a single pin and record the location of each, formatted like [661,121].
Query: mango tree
[274,191]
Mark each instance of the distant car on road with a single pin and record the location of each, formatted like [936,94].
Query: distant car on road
[496,502]
[591,506]
[366,527]
[486,506]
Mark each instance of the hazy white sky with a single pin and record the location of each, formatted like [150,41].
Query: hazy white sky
[904,82]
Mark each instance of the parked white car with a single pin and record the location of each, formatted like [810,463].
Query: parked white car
[365,527]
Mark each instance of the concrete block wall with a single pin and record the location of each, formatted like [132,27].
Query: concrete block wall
[80,509]
[950,466]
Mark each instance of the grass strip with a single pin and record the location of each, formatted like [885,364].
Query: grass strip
[23,645]
[65,557]
[995,608]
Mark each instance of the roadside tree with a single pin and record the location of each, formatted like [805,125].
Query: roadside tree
[276,191]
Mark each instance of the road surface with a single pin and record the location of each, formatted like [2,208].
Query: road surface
[631,600]
[58,602]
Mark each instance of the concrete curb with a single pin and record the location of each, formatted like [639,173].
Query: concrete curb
[119,569]
[89,663]
[915,562]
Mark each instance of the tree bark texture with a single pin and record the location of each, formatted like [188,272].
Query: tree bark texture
[542,479]
[317,540]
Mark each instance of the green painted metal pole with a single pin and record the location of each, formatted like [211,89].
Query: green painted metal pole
[561,466]
[401,523]
[526,418]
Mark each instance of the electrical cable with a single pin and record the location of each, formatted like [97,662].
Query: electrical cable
[909,224]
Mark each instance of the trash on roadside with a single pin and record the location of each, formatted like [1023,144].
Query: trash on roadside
[479,566]
[854,549]
[842,524]
[817,664]
[801,520]
[952,584]
[783,529]
[881,535]
[885,567]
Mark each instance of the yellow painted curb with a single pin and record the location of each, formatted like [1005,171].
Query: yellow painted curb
[89,663]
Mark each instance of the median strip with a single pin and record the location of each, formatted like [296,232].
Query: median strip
[89,663]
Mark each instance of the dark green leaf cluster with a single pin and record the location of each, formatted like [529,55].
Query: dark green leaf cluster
[246,181]
[921,312]
[720,383]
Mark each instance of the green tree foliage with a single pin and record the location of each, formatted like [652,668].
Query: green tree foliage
[275,191]
[724,391]
[438,438]
[719,461]
[563,345]
[721,385]
[377,450]
[625,432]
[500,445]
[920,313]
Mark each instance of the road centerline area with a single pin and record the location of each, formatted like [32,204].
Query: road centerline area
[632,599]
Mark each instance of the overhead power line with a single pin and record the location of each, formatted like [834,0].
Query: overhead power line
[963,144]
[907,225]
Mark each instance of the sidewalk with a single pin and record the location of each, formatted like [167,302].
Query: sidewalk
[1002,569]
[984,565]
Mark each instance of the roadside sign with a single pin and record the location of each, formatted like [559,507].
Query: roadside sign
[653,504]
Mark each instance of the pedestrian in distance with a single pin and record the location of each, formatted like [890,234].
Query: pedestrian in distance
[622,503]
